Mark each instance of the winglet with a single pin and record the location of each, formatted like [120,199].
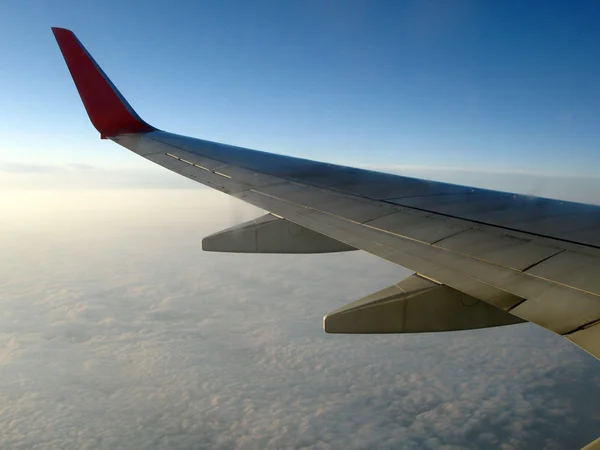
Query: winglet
[108,110]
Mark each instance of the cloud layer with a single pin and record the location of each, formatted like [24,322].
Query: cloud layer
[117,331]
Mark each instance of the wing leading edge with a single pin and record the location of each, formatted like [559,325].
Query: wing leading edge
[534,258]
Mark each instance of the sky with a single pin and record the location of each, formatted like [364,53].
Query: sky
[117,331]
[502,86]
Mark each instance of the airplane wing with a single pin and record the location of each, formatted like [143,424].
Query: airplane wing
[481,258]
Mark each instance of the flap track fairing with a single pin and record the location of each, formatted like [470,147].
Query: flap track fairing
[271,234]
[416,305]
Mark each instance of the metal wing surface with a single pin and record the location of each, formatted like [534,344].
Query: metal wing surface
[529,258]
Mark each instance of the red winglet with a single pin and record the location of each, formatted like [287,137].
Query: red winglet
[108,110]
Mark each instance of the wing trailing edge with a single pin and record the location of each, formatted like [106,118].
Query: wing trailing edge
[108,110]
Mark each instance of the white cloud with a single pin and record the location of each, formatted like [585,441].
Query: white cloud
[117,331]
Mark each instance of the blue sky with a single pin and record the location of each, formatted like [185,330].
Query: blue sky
[481,85]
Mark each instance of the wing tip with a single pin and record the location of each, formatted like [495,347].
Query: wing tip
[60,30]
[107,109]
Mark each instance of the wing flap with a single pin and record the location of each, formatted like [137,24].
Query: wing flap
[419,226]
[508,251]
[588,339]
[570,268]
